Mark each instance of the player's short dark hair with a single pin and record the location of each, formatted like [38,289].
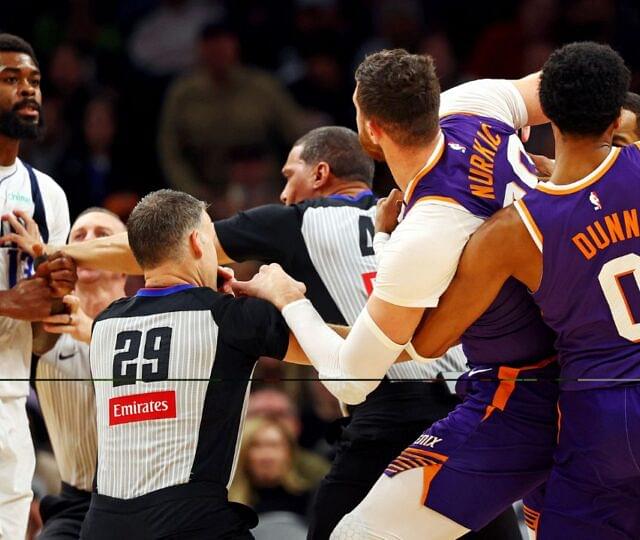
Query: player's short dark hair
[400,91]
[583,86]
[340,148]
[158,224]
[632,103]
[11,43]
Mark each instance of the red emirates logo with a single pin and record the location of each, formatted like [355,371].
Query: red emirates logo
[142,407]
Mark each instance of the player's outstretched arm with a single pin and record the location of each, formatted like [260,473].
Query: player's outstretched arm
[499,249]
[111,253]
[528,88]
[350,368]
[514,102]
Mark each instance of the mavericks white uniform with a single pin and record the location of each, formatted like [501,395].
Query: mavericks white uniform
[43,199]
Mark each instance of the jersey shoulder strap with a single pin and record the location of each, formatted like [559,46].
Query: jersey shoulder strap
[39,215]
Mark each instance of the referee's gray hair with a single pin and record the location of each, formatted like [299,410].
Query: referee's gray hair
[158,224]
[340,148]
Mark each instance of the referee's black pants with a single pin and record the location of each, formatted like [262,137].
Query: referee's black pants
[359,462]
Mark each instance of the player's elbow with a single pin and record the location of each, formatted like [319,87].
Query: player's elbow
[429,350]
[349,391]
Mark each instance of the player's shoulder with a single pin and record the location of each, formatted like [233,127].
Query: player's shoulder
[631,153]
[46,183]
[467,125]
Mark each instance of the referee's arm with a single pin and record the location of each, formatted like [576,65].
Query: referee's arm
[112,253]
[260,234]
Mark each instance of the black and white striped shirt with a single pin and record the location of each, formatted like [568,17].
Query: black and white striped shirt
[69,410]
[171,369]
[327,243]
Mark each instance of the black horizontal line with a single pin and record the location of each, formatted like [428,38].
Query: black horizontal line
[293,379]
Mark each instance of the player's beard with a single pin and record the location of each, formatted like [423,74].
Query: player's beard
[15,127]
[372,149]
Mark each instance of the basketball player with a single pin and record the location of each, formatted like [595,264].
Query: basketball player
[625,134]
[24,192]
[455,173]
[628,131]
[171,367]
[69,408]
[575,241]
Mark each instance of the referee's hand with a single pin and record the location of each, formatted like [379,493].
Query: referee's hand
[273,284]
[387,211]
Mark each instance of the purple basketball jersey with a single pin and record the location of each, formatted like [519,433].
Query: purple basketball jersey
[589,234]
[482,166]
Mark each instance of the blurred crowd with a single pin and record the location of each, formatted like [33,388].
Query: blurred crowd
[207,96]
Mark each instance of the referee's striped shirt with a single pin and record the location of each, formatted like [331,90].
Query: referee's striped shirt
[172,369]
[327,243]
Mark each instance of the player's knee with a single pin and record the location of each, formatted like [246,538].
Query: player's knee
[348,528]
[353,527]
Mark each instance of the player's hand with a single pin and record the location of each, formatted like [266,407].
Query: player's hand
[226,276]
[30,300]
[76,322]
[60,271]
[273,284]
[387,211]
[544,165]
[26,234]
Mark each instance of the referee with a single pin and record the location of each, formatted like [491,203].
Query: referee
[322,236]
[171,369]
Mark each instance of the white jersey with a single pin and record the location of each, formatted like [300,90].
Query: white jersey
[47,201]
[421,257]
[69,410]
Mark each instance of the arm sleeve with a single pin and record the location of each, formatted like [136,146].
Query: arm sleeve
[420,259]
[252,326]
[265,233]
[495,98]
[349,368]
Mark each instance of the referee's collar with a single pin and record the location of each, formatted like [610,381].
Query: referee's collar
[163,291]
[357,197]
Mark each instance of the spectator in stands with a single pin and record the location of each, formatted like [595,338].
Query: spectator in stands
[277,405]
[267,480]
[221,106]
[164,42]
[95,167]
